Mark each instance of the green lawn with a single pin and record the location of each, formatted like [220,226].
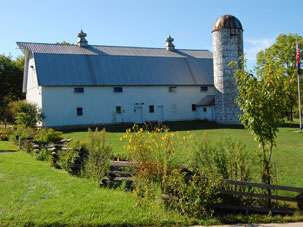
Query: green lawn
[7,146]
[34,193]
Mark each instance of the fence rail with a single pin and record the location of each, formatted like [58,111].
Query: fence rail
[118,174]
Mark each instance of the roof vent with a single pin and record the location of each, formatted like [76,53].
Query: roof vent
[169,45]
[82,42]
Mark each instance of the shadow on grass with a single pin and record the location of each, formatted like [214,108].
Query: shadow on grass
[291,125]
[7,151]
[172,125]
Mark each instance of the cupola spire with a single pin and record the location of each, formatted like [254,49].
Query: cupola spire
[82,42]
[169,43]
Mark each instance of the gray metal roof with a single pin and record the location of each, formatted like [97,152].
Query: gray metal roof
[68,65]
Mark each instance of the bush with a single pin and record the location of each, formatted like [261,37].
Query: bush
[71,159]
[227,160]
[43,155]
[5,133]
[22,132]
[194,197]
[98,155]
[153,152]
[48,135]
[23,113]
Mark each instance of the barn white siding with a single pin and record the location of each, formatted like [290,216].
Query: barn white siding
[99,104]
[33,92]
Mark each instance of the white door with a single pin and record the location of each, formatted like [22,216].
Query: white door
[138,115]
[200,114]
[205,113]
[160,114]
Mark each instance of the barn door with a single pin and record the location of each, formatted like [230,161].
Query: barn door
[138,115]
[160,114]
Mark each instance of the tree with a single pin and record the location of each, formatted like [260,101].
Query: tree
[11,76]
[64,43]
[283,52]
[263,99]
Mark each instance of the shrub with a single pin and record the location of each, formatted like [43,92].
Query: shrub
[227,159]
[71,159]
[43,155]
[23,113]
[153,152]
[21,137]
[22,132]
[48,135]
[98,155]
[5,133]
[194,197]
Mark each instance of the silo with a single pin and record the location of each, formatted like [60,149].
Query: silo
[227,36]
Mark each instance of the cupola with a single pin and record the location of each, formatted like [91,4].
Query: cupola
[169,43]
[82,42]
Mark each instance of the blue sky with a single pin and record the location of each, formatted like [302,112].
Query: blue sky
[145,23]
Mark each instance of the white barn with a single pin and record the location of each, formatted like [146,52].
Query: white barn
[92,84]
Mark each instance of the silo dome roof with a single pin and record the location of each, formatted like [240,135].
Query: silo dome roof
[227,22]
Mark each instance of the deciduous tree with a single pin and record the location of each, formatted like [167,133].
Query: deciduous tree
[263,99]
[283,52]
[11,76]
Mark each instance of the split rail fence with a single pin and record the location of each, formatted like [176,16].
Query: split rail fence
[118,174]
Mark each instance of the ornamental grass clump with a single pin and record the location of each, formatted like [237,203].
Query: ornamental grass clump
[226,159]
[98,155]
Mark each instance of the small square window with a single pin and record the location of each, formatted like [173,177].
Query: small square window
[172,89]
[204,88]
[79,111]
[193,107]
[118,109]
[205,109]
[151,109]
[78,89]
[118,89]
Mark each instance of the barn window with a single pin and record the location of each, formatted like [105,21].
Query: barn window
[205,109]
[172,89]
[118,109]
[204,88]
[118,89]
[193,107]
[173,108]
[79,111]
[151,109]
[78,89]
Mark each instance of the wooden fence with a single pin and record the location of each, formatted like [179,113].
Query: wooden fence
[232,188]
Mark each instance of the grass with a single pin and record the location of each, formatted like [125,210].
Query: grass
[34,193]
[7,146]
